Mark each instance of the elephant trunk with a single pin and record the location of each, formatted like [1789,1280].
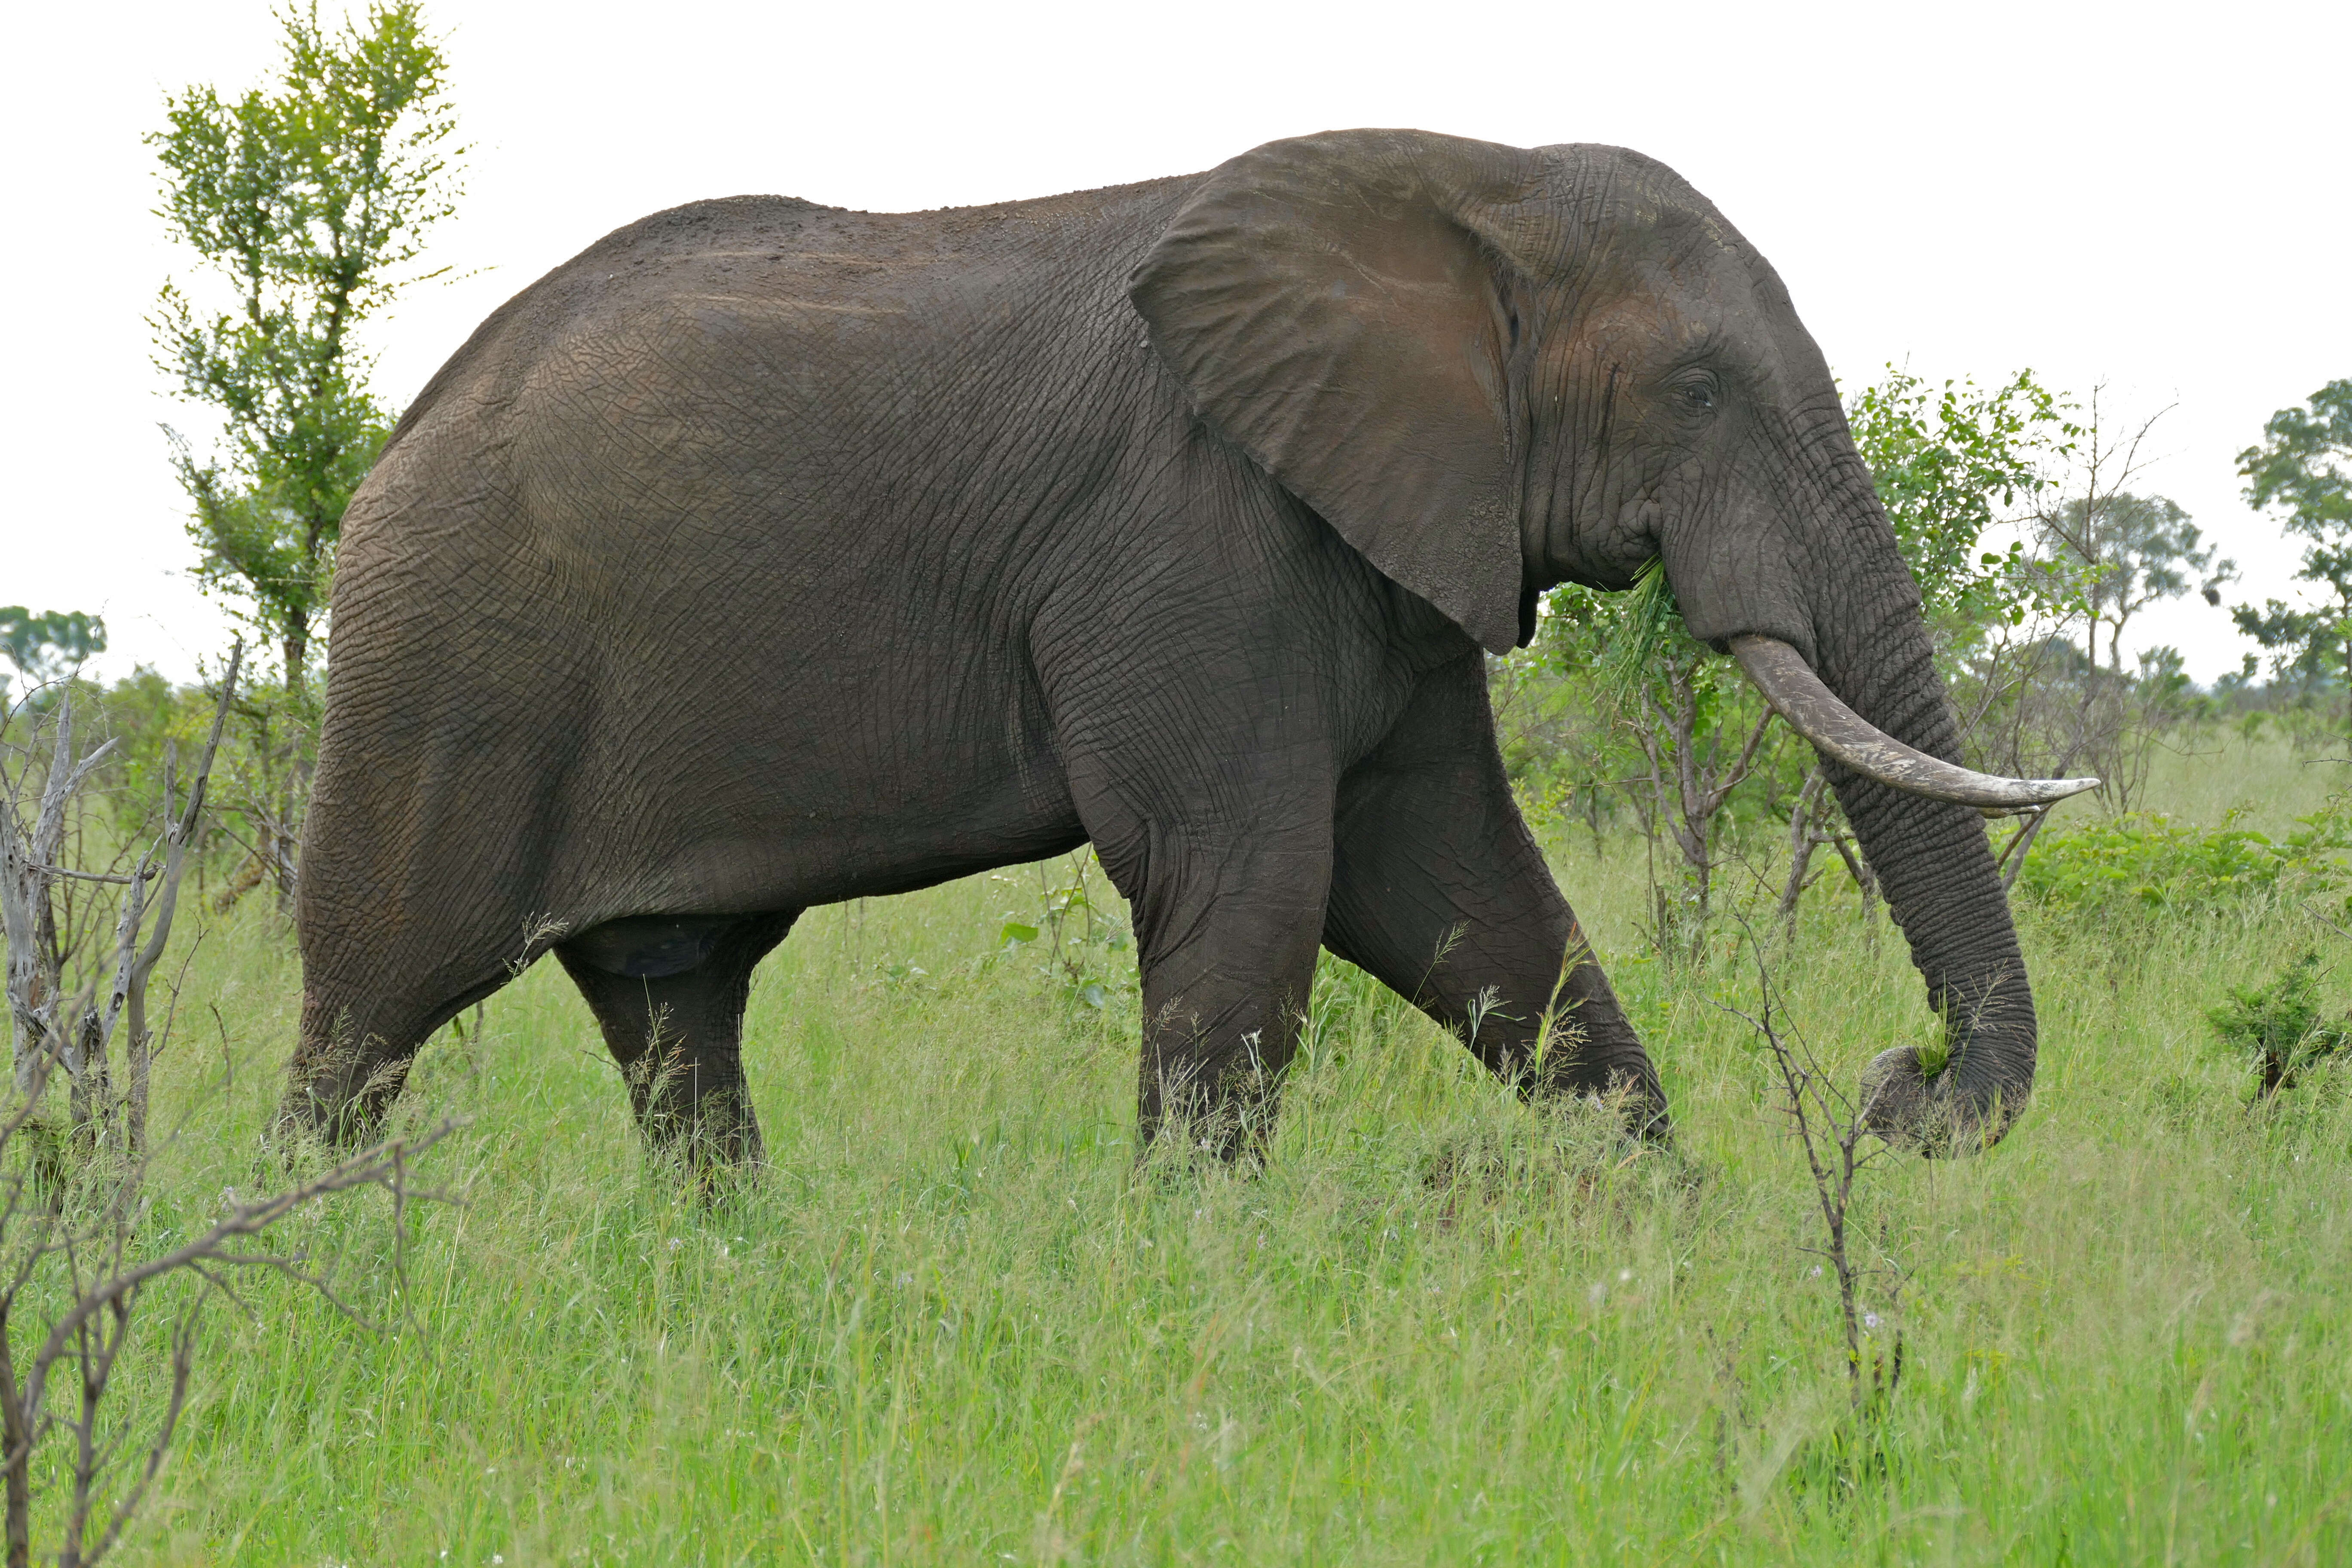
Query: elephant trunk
[1825,616]
[1931,858]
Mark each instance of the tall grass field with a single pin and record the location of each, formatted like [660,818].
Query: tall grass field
[953,1321]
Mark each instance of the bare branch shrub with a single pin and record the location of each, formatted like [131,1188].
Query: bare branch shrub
[75,1277]
[2035,703]
[1830,1127]
[54,967]
[75,1266]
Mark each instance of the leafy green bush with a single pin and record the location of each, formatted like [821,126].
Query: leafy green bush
[2278,1027]
[2146,859]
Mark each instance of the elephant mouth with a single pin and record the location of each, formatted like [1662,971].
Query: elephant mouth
[1844,736]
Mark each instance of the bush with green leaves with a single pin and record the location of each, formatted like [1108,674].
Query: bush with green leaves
[1947,463]
[2279,1027]
[2146,860]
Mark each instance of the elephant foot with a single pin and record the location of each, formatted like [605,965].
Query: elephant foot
[1230,1124]
[708,1132]
[338,1093]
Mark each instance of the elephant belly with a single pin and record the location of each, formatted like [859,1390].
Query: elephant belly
[832,785]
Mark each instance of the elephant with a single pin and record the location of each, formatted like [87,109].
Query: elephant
[769,554]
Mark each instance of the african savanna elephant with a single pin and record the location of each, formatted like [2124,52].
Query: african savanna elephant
[768,554]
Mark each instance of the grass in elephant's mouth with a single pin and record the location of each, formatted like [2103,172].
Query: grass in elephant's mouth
[954,1325]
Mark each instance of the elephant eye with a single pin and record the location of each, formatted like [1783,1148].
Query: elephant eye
[1698,395]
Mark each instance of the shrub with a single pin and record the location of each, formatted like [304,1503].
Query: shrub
[2147,860]
[2278,1027]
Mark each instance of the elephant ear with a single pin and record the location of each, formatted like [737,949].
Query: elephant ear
[1341,308]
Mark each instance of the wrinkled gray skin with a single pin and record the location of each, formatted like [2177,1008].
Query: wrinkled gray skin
[768,554]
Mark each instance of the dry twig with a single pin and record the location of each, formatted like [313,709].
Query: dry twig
[1832,1127]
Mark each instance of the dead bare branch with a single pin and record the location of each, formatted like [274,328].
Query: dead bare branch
[1831,1128]
[88,1338]
[71,1206]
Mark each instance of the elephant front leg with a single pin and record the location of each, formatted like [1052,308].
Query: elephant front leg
[1227,935]
[1438,889]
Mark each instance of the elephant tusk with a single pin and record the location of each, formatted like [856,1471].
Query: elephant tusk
[1844,736]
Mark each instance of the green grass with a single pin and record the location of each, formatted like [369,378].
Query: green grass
[953,1324]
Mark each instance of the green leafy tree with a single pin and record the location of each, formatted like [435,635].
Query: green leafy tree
[309,202]
[45,646]
[2303,469]
[1948,463]
[2129,551]
[1678,727]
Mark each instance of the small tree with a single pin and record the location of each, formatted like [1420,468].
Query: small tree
[2304,469]
[1689,732]
[1830,1126]
[1949,463]
[310,201]
[46,647]
[2132,552]
[2036,703]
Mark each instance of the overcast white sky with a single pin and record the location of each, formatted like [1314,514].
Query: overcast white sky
[2149,196]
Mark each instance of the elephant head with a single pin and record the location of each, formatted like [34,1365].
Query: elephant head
[1493,370]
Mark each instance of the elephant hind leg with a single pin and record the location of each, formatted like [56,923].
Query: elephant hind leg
[669,994]
[363,1025]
